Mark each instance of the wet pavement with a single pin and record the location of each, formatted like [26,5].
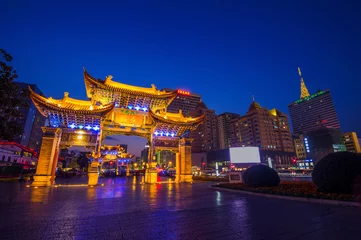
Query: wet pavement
[125,209]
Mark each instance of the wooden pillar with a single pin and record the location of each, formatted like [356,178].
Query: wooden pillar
[185,150]
[158,156]
[127,170]
[177,166]
[48,157]
[93,170]
[151,175]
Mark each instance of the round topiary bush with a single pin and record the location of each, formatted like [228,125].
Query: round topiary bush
[261,176]
[337,172]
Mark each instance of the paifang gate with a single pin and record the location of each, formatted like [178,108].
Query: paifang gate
[113,108]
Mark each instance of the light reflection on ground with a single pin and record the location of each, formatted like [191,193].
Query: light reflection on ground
[124,208]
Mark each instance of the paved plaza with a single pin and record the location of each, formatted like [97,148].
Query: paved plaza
[125,209]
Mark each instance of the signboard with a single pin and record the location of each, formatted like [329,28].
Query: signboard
[244,155]
[128,118]
[235,177]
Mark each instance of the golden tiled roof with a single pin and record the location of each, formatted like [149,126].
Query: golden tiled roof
[108,83]
[176,118]
[68,104]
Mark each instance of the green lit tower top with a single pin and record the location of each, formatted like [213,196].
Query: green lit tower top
[312,111]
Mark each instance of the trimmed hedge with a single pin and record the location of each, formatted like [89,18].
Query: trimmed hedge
[210,178]
[261,176]
[337,172]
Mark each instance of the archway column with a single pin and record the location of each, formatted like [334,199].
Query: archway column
[185,166]
[151,175]
[93,170]
[48,157]
[177,166]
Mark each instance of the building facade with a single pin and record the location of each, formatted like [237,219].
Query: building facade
[300,149]
[205,137]
[185,101]
[351,142]
[312,111]
[224,129]
[12,153]
[31,120]
[323,141]
[267,129]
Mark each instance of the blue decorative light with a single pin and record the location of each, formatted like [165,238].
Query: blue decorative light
[167,134]
[81,126]
[145,109]
[161,134]
[116,105]
[137,108]
[156,133]
[130,107]
[72,126]
[88,127]
[172,134]
[96,128]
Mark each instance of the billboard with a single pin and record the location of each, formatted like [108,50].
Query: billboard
[244,155]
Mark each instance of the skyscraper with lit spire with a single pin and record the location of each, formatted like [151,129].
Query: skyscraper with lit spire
[311,112]
[304,90]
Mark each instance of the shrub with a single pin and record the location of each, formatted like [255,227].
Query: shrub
[261,176]
[337,172]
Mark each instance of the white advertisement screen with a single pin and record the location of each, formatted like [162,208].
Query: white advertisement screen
[244,155]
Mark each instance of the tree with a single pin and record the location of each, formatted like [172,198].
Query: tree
[83,161]
[10,99]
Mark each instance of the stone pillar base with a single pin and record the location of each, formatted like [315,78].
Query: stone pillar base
[93,178]
[186,178]
[151,176]
[93,174]
[41,181]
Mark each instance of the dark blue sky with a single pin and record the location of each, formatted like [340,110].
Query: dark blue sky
[224,50]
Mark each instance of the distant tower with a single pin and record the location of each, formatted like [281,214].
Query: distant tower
[304,90]
[312,111]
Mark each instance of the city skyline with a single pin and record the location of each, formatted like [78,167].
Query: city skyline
[226,58]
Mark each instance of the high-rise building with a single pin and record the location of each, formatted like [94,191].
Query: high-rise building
[185,101]
[323,141]
[224,129]
[263,128]
[205,137]
[312,111]
[267,129]
[31,120]
[144,154]
[300,147]
[351,142]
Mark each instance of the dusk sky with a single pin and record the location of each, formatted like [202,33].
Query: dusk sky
[226,51]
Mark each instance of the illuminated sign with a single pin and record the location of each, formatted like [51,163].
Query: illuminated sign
[309,97]
[183,92]
[306,144]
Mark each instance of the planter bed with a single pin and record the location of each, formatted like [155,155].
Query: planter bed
[292,189]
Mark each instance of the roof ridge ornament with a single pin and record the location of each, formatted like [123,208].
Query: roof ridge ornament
[304,90]
[108,78]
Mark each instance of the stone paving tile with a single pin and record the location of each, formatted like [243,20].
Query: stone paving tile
[124,210]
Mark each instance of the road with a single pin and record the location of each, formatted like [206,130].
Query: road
[125,209]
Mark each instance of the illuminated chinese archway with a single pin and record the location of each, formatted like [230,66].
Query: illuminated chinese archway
[113,108]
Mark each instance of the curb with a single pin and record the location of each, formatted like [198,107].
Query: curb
[312,200]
